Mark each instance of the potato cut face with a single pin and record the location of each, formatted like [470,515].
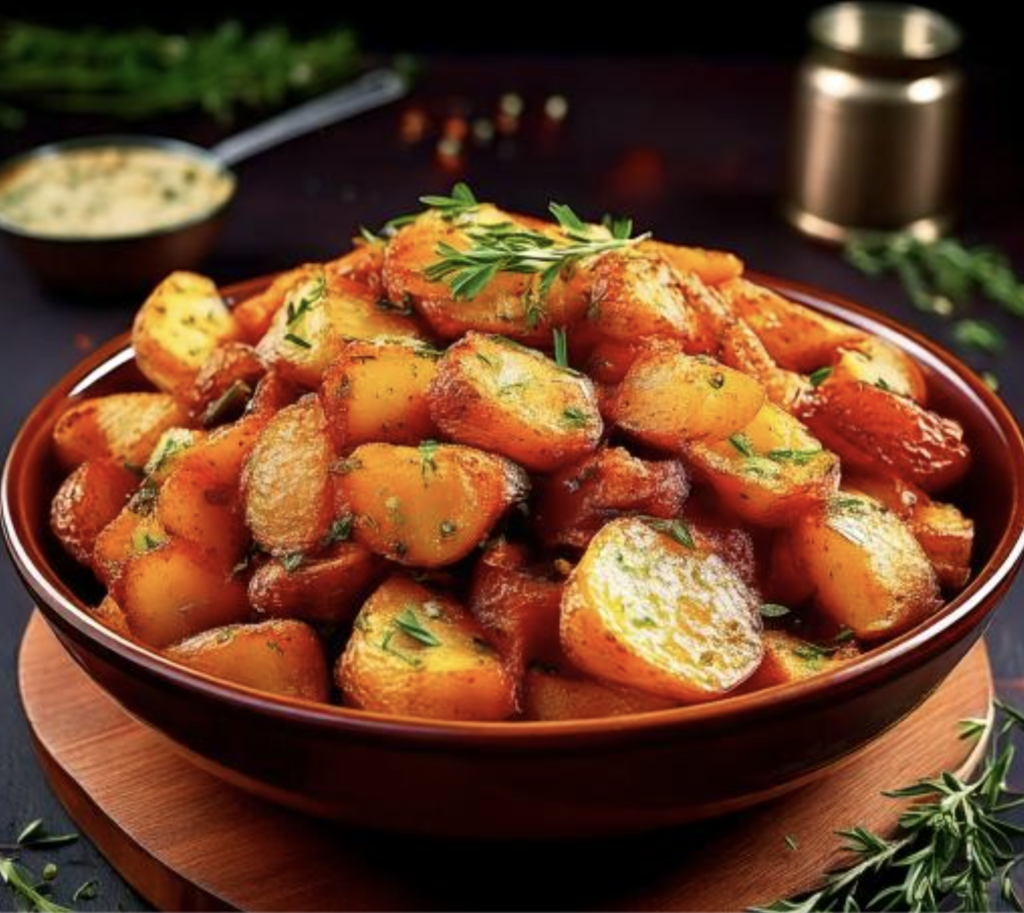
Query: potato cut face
[280,657]
[496,395]
[668,399]
[648,612]
[171,591]
[712,266]
[255,314]
[770,471]
[788,658]
[320,313]
[177,328]
[287,481]
[417,653]
[881,365]
[426,506]
[551,694]
[133,531]
[377,391]
[867,570]
[123,427]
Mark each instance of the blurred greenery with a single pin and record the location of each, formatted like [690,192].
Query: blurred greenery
[138,73]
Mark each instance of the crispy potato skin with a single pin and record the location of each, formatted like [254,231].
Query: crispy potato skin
[867,570]
[122,426]
[172,592]
[947,537]
[377,391]
[457,676]
[88,500]
[713,267]
[765,487]
[279,657]
[327,589]
[576,501]
[427,506]
[668,399]
[644,611]
[177,327]
[551,694]
[517,402]
[364,265]
[233,366]
[136,525]
[873,361]
[286,481]
[788,658]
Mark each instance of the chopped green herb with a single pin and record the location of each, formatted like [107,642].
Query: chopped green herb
[86,891]
[230,402]
[558,334]
[575,418]
[173,442]
[851,505]
[800,457]
[883,384]
[818,377]
[50,871]
[448,528]
[410,625]
[385,645]
[773,610]
[346,465]
[677,529]
[274,647]
[716,381]
[791,843]
[972,728]
[743,444]
[135,468]
[143,542]
[292,561]
[340,531]
[428,453]
[461,201]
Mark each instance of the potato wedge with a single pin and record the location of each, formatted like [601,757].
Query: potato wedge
[873,361]
[646,611]
[576,501]
[175,330]
[418,653]
[770,471]
[427,506]
[497,395]
[713,267]
[287,483]
[320,314]
[328,588]
[89,500]
[868,571]
[224,384]
[788,658]
[279,657]
[668,399]
[551,694]
[171,592]
[947,537]
[377,391]
[122,426]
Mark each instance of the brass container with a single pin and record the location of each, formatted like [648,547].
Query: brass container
[876,124]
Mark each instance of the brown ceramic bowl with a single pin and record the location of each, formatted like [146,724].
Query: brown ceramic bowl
[576,778]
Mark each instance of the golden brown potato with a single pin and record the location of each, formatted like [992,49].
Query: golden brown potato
[899,496]
[280,657]
[171,592]
[712,266]
[770,471]
[575,502]
[418,653]
[427,506]
[109,614]
[90,498]
[320,314]
[551,694]
[364,265]
[377,391]
[173,444]
[254,315]
[872,361]
[647,611]
[224,384]
[178,326]
[134,530]
[867,570]
[497,395]
[122,426]
[287,480]
[327,588]
[788,658]
[947,537]
[668,399]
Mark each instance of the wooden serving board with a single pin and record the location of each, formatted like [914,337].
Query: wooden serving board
[186,841]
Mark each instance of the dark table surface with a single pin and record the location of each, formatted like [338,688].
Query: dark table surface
[693,150]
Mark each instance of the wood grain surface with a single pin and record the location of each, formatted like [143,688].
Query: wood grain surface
[186,841]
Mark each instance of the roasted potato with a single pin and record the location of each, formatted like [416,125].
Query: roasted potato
[225,384]
[287,483]
[649,610]
[551,694]
[712,266]
[109,614]
[122,426]
[171,591]
[668,399]
[328,588]
[418,653]
[770,471]
[176,329]
[867,570]
[173,444]
[133,531]
[427,506]
[377,391]
[279,657]
[364,265]
[576,501]
[255,314]
[947,537]
[88,501]
[788,658]
[319,315]
[873,361]
[497,395]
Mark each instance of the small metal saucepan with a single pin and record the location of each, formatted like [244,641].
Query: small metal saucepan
[109,264]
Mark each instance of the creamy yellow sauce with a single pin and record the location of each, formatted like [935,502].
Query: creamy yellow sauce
[107,191]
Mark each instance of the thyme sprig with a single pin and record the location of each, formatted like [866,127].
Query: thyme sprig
[954,845]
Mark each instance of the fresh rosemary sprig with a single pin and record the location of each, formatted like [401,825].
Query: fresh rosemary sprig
[32,892]
[955,844]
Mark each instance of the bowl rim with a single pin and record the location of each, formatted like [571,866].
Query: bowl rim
[119,140]
[911,649]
